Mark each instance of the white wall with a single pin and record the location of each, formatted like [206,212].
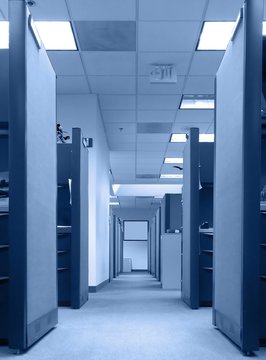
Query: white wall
[83,111]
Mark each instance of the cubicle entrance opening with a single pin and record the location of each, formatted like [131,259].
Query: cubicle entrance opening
[135,246]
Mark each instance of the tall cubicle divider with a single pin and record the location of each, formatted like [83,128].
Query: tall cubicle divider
[197,233]
[28,279]
[237,311]
[72,228]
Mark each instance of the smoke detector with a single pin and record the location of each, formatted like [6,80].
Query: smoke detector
[163,74]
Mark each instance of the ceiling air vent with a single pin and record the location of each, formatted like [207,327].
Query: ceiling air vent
[154,128]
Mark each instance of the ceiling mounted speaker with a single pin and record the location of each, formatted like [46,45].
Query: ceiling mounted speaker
[163,74]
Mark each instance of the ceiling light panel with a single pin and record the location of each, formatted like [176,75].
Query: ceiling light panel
[56,35]
[197,102]
[206,138]
[171,176]
[4,34]
[173,160]
[215,35]
[178,138]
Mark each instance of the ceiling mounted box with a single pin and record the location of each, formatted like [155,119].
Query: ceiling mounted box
[163,74]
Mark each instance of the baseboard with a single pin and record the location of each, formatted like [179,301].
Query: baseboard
[94,289]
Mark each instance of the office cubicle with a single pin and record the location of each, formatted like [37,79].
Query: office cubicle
[197,231]
[239,285]
[28,290]
[72,221]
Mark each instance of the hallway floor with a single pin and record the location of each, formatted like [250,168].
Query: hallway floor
[132,318]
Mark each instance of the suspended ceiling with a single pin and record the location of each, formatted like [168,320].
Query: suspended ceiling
[118,41]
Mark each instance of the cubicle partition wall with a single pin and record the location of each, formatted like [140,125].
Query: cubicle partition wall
[197,234]
[28,291]
[72,229]
[237,281]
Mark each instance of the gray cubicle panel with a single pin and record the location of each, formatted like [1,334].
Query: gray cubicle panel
[32,150]
[80,200]
[237,182]
[190,234]
[206,164]
[72,210]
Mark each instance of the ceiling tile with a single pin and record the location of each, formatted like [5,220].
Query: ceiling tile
[50,10]
[225,10]
[158,102]
[142,146]
[199,85]
[170,169]
[118,102]
[121,138]
[117,156]
[110,63]
[180,59]
[206,62]
[112,84]
[194,116]
[171,9]
[106,35]
[117,146]
[121,129]
[153,138]
[183,127]
[168,36]
[156,115]
[66,62]
[211,129]
[113,116]
[72,85]
[145,87]
[4,9]
[102,9]
[176,148]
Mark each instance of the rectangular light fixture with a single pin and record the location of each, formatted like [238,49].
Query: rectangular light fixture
[215,35]
[197,102]
[179,138]
[171,176]
[4,34]
[173,160]
[206,138]
[56,35]
[114,203]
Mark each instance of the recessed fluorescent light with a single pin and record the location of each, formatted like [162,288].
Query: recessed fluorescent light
[178,138]
[206,138]
[171,176]
[56,35]
[200,102]
[4,34]
[114,203]
[173,160]
[215,35]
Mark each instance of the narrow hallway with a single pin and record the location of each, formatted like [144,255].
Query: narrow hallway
[132,318]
